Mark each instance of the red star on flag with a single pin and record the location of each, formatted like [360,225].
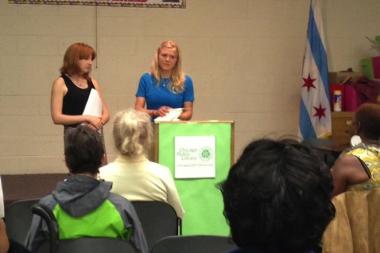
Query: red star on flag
[308,83]
[319,112]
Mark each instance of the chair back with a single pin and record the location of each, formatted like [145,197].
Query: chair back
[95,245]
[194,243]
[47,215]
[158,220]
[18,217]
[356,226]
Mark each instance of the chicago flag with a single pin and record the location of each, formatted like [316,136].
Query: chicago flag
[315,116]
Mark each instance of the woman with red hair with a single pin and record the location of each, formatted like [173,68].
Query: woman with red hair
[71,90]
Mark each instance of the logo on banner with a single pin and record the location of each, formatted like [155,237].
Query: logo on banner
[194,157]
[205,154]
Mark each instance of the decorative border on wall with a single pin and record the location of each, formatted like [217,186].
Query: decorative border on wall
[113,3]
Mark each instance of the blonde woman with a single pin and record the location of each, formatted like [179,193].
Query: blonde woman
[133,175]
[166,86]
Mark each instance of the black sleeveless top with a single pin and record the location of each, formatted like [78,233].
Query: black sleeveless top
[76,98]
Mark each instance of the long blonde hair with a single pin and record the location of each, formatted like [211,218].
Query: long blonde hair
[177,76]
[132,132]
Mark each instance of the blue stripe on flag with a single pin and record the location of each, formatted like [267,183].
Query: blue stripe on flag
[318,50]
[306,127]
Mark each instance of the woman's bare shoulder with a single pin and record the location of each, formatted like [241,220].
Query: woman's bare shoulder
[350,168]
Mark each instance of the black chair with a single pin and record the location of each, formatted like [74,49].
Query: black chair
[194,243]
[80,245]
[18,217]
[95,245]
[158,220]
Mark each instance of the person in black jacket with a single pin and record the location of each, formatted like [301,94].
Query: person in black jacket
[277,198]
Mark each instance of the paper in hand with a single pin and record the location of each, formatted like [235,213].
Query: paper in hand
[172,115]
[94,104]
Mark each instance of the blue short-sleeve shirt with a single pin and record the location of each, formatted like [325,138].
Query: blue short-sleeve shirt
[161,95]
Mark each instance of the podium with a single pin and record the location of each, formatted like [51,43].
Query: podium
[181,146]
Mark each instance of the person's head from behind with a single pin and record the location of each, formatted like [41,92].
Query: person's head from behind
[84,150]
[167,62]
[132,132]
[367,121]
[277,197]
[78,59]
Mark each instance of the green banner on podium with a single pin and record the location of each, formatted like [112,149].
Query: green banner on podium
[200,197]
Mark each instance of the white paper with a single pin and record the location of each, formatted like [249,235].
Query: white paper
[194,157]
[94,104]
[172,115]
[1,200]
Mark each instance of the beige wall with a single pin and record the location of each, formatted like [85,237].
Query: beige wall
[244,56]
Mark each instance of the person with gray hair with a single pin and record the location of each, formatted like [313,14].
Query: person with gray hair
[132,174]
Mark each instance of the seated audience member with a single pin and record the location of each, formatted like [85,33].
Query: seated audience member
[4,243]
[84,206]
[277,198]
[360,166]
[132,174]
[356,173]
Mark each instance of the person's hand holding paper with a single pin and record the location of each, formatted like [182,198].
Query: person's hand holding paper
[94,108]
[172,115]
